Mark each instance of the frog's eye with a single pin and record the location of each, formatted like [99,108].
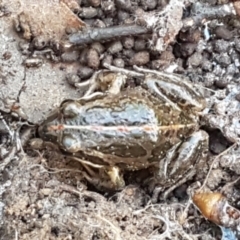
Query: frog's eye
[70,109]
[70,143]
[183,102]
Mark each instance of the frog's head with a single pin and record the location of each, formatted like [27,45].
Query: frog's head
[57,128]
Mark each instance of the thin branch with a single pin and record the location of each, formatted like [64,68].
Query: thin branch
[106,34]
[202,11]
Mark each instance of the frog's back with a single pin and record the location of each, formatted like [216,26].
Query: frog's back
[132,119]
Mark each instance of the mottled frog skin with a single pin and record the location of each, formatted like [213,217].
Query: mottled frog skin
[155,125]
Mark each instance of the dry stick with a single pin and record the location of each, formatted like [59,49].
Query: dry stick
[110,33]
[106,34]
[206,12]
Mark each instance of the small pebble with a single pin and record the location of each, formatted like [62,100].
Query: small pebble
[190,36]
[139,45]
[128,53]
[157,64]
[72,79]
[222,82]
[223,33]
[70,56]
[167,56]
[207,65]
[123,4]
[119,62]
[94,3]
[223,59]
[108,21]
[162,3]
[122,16]
[93,60]
[108,6]
[187,49]
[140,58]
[85,72]
[231,69]
[98,47]
[195,60]
[218,70]
[128,42]
[237,44]
[107,59]
[235,58]
[98,24]
[115,47]
[221,46]
[88,12]
[209,79]
[149,4]
[83,56]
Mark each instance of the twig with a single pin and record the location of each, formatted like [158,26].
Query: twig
[205,12]
[10,156]
[106,34]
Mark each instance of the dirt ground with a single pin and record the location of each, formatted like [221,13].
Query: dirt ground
[43,194]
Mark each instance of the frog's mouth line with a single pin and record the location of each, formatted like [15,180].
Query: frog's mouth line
[120,128]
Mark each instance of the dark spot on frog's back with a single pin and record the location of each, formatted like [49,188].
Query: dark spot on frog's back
[168,133]
[124,151]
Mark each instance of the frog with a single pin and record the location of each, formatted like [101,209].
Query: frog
[111,130]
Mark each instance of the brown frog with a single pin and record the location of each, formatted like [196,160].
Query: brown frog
[153,126]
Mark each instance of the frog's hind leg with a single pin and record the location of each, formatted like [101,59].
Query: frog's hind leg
[182,162]
[159,191]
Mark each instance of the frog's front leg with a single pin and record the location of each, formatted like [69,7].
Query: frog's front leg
[182,162]
[108,179]
[101,176]
[103,81]
[91,83]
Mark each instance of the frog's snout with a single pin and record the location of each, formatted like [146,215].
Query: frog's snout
[45,134]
